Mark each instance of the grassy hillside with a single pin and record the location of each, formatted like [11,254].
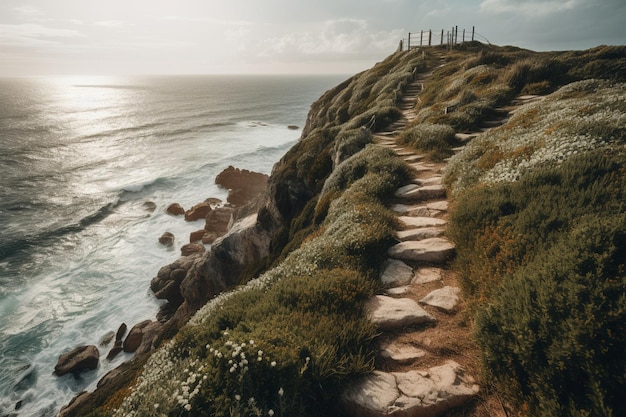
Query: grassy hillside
[538,220]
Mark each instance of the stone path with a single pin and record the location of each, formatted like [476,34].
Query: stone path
[421,318]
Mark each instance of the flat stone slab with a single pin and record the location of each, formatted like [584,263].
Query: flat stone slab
[420,234]
[445,298]
[426,192]
[427,275]
[413,158]
[420,167]
[389,313]
[424,393]
[405,189]
[438,205]
[434,250]
[401,353]
[436,180]
[410,222]
[398,291]
[396,273]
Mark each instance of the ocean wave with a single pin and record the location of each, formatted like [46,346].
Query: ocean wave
[22,245]
[141,186]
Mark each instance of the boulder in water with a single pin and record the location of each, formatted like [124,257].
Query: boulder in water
[243,185]
[166,239]
[175,209]
[77,360]
[192,249]
[135,336]
[198,211]
[196,236]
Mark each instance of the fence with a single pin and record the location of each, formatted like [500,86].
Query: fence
[430,38]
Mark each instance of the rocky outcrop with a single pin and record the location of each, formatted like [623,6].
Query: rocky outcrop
[198,211]
[243,185]
[82,358]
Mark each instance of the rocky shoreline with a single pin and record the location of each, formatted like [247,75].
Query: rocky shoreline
[184,283]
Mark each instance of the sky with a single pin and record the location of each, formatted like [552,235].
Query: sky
[120,37]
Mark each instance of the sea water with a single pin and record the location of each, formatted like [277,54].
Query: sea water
[83,163]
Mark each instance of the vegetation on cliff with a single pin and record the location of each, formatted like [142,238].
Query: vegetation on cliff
[538,220]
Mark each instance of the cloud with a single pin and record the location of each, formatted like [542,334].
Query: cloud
[334,38]
[27,10]
[33,35]
[109,23]
[529,7]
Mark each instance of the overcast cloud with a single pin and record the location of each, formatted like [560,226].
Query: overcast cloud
[42,37]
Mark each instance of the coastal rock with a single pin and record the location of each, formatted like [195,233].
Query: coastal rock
[445,298]
[121,331]
[221,267]
[196,236]
[209,237]
[77,360]
[166,239]
[192,249]
[135,337]
[293,127]
[198,211]
[389,313]
[219,220]
[149,206]
[425,393]
[81,400]
[150,333]
[115,350]
[107,338]
[175,209]
[166,285]
[243,185]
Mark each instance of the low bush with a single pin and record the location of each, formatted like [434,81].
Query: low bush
[555,333]
[435,140]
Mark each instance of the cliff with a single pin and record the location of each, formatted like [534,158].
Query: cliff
[277,303]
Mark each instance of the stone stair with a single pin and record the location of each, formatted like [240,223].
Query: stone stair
[412,379]
[420,369]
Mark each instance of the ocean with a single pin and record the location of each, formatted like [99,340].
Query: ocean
[87,168]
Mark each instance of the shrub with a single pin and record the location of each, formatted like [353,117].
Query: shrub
[434,139]
[556,330]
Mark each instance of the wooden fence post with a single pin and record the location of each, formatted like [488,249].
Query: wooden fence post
[408,44]
[463,40]
[430,37]
[472,33]
[421,36]
[456,35]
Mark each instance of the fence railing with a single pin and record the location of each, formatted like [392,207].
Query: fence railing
[433,38]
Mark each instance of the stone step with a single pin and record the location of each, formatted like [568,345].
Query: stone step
[409,222]
[427,192]
[433,250]
[465,136]
[434,180]
[400,353]
[420,233]
[419,393]
[396,273]
[423,210]
[388,313]
[446,298]
[427,275]
[413,158]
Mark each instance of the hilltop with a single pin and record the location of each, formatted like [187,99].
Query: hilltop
[527,152]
